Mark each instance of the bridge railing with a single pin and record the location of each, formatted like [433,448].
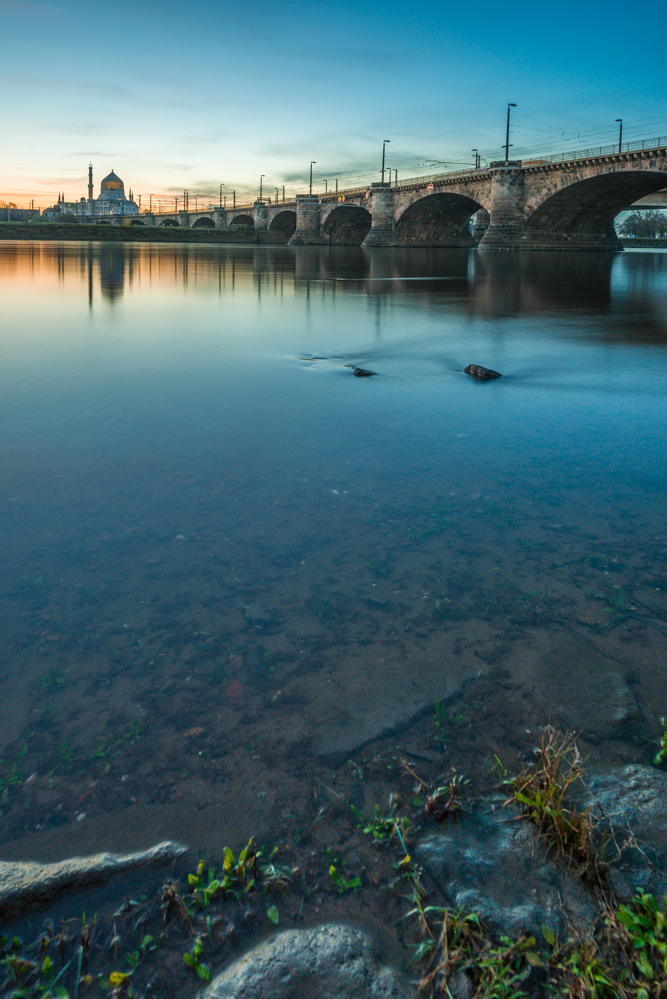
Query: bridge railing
[582,154]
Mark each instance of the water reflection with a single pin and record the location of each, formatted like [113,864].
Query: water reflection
[214,528]
[492,284]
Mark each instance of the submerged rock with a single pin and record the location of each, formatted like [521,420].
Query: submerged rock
[363,372]
[484,374]
[325,962]
[26,883]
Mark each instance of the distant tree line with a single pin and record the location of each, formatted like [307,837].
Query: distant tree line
[648,224]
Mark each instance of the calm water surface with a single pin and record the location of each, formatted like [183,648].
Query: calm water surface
[228,565]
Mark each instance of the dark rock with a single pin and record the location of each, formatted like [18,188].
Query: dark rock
[325,962]
[634,801]
[363,372]
[492,864]
[24,884]
[484,374]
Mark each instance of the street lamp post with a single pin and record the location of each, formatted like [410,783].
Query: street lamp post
[477,158]
[620,134]
[507,133]
[384,143]
[234,197]
[276,195]
[325,186]
[310,188]
[221,187]
[261,178]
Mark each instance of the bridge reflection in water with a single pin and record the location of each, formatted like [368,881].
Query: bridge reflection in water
[485,284]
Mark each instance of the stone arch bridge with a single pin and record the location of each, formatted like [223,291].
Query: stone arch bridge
[534,205]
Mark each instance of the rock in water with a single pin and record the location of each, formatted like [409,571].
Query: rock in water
[363,372]
[325,962]
[484,374]
[23,884]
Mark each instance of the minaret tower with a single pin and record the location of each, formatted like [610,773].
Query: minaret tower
[90,188]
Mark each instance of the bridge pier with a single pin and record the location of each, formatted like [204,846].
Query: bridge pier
[506,215]
[479,224]
[220,218]
[149,218]
[184,219]
[382,212]
[261,216]
[307,231]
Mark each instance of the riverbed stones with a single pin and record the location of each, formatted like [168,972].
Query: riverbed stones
[481,373]
[333,961]
[23,884]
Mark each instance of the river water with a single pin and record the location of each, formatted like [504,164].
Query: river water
[230,567]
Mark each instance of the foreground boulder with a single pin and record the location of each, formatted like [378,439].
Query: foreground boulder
[26,883]
[363,372]
[324,962]
[484,374]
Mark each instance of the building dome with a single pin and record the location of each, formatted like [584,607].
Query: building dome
[112,183]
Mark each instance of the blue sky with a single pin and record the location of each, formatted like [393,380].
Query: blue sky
[175,96]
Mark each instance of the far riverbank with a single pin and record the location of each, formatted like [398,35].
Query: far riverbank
[137,233]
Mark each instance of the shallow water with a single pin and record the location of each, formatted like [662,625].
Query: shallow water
[228,564]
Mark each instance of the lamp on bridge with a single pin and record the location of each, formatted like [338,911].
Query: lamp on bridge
[221,187]
[507,133]
[384,143]
[620,134]
[477,158]
[310,189]
[261,178]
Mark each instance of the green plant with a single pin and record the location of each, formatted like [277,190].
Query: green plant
[344,884]
[457,944]
[445,802]
[383,828]
[238,876]
[618,605]
[542,792]
[193,960]
[661,755]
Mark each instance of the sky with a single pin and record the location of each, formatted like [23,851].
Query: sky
[190,96]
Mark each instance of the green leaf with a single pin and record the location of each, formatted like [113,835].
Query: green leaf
[533,959]
[203,972]
[189,960]
[645,965]
[273,915]
[549,935]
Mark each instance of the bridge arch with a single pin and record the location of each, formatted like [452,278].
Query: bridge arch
[204,222]
[437,220]
[347,224]
[284,221]
[169,222]
[137,222]
[582,210]
[243,220]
